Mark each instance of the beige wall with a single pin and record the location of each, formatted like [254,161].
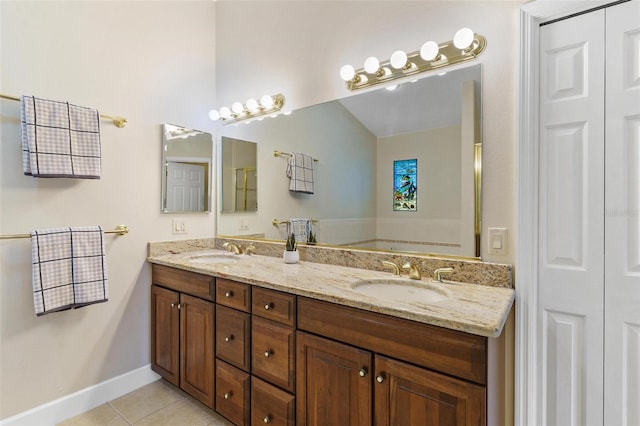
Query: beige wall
[297,48]
[151,62]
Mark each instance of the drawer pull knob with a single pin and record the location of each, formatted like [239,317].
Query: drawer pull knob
[228,395]
[229,293]
[267,419]
[380,378]
[228,338]
[362,372]
[268,353]
[268,306]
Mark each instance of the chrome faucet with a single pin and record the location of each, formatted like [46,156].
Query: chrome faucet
[414,272]
[233,247]
[437,274]
[396,268]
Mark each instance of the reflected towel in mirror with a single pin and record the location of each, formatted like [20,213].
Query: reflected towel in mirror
[300,171]
[300,228]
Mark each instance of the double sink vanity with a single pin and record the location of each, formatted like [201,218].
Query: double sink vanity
[325,340]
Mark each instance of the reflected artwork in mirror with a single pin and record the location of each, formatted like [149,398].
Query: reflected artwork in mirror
[238,176]
[435,121]
[186,170]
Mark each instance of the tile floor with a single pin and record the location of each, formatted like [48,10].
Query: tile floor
[157,403]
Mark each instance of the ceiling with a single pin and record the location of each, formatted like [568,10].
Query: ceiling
[431,102]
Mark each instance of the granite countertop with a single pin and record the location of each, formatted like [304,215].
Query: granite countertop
[472,308]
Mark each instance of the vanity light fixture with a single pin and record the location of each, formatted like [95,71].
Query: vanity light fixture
[466,45]
[250,109]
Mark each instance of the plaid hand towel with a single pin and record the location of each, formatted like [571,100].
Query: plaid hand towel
[59,139]
[300,228]
[69,268]
[300,170]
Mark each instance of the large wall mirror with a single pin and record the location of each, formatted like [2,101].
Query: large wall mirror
[186,170]
[356,141]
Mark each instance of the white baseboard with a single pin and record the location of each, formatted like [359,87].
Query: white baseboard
[84,400]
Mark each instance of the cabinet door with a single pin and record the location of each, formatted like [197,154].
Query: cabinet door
[196,345]
[332,382]
[165,334]
[409,395]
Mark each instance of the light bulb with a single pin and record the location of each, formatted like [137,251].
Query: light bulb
[463,38]
[429,51]
[214,115]
[252,105]
[371,65]
[347,72]
[225,112]
[398,59]
[237,107]
[266,101]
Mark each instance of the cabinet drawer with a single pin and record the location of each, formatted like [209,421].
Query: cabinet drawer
[184,281]
[233,393]
[273,352]
[233,294]
[452,352]
[271,405]
[274,305]
[232,336]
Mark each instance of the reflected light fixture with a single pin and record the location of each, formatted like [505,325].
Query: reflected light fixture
[466,45]
[250,109]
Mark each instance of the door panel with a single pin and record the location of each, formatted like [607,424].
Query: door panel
[197,370]
[331,390]
[571,218]
[622,249]
[165,335]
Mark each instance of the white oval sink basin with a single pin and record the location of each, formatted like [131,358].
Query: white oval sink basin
[401,290]
[215,258]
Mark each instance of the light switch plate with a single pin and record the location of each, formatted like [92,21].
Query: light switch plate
[178,226]
[497,241]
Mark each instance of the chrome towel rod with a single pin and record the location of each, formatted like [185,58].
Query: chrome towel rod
[286,154]
[118,121]
[120,230]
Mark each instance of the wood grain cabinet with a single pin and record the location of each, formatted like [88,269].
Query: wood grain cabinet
[356,381]
[283,359]
[182,331]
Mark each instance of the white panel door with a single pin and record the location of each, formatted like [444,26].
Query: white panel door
[571,221]
[622,245]
[185,187]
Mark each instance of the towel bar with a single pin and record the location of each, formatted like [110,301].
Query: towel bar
[286,154]
[276,222]
[120,230]
[118,121]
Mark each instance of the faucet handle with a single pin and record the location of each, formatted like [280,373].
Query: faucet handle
[250,249]
[396,268]
[437,274]
[414,272]
[232,247]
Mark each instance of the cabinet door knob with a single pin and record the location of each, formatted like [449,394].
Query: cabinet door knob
[268,353]
[181,305]
[228,395]
[380,378]
[229,293]
[362,372]
[268,306]
[228,338]
[267,419]
[173,305]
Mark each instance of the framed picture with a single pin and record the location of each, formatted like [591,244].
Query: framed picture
[405,189]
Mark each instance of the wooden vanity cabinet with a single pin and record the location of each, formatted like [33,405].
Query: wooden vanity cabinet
[182,329]
[385,371]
